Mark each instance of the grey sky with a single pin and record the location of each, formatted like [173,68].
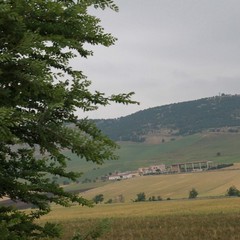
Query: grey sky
[167,51]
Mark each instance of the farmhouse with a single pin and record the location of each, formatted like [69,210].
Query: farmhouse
[124,175]
[114,177]
[152,169]
[191,166]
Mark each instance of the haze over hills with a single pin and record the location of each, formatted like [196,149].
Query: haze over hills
[173,120]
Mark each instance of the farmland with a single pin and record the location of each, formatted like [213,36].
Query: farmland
[211,216]
[175,186]
[176,219]
[198,147]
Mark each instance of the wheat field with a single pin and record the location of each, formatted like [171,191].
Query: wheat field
[174,186]
[211,216]
[168,220]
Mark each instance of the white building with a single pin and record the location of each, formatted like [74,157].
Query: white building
[152,169]
[124,175]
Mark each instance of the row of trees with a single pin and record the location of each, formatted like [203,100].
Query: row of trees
[193,193]
[99,198]
[141,197]
[231,192]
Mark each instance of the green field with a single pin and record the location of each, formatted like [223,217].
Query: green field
[169,220]
[197,147]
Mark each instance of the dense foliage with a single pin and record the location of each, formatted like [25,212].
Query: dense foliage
[193,193]
[233,192]
[98,198]
[39,93]
[141,197]
[182,118]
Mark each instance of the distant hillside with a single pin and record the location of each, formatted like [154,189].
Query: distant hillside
[176,119]
[217,147]
[173,186]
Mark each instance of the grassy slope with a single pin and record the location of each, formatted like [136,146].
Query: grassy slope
[190,148]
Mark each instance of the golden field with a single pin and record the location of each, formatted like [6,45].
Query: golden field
[212,216]
[146,209]
[169,220]
[174,186]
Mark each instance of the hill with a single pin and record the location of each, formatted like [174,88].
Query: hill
[218,147]
[177,119]
[165,136]
[175,186]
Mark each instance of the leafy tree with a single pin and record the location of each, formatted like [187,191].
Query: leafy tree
[98,198]
[159,198]
[39,95]
[233,191]
[153,198]
[141,197]
[193,193]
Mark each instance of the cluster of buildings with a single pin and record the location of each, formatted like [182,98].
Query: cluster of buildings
[163,169]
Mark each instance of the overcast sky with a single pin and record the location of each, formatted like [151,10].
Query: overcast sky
[167,51]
